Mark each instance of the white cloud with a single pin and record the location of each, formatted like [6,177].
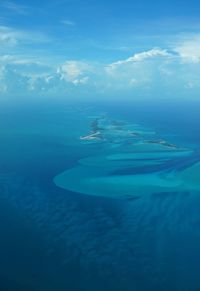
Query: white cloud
[81,81]
[67,78]
[19,73]
[3,87]
[136,71]
[8,36]
[189,49]
[74,72]
[19,60]
[11,37]
[142,56]
[16,8]
[68,22]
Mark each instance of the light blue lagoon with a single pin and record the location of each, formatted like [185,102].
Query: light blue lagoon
[140,164]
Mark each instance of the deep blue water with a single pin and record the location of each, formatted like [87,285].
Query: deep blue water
[54,239]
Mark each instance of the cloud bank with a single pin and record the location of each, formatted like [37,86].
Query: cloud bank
[157,69]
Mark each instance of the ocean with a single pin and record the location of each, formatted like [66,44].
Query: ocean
[99,195]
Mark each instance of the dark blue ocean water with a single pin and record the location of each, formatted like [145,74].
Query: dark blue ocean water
[53,239]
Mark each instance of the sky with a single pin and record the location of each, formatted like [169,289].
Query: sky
[93,47]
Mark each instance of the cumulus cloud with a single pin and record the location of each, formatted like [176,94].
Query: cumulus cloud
[136,71]
[188,49]
[29,76]
[172,69]
[142,56]
[134,74]
[74,72]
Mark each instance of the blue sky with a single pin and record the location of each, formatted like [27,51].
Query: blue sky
[74,46]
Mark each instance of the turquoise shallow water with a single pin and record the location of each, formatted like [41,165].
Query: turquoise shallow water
[152,165]
[120,212]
